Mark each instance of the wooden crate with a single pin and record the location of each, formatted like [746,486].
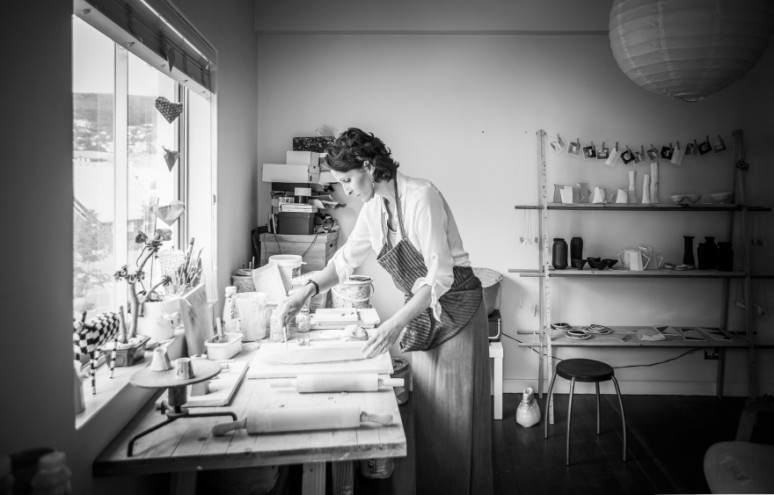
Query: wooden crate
[322,248]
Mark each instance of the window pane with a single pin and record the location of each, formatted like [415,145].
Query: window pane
[93,170]
[151,182]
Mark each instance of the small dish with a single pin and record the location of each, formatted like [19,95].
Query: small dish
[561,326]
[218,351]
[597,263]
[721,197]
[692,198]
[677,198]
[610,262]
[578,263]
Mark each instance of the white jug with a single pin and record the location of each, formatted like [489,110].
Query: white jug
[633,259]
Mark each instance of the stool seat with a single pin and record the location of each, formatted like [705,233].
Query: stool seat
[584,370]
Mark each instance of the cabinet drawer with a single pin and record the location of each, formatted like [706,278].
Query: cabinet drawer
[318,248]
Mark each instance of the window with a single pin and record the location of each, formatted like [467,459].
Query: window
[121,171]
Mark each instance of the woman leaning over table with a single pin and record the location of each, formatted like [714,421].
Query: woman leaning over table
[407,223]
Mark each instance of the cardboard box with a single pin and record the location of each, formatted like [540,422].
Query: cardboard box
[281,172]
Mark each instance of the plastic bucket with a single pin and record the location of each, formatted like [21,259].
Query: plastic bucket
[242,279]
[289,267]
[354,293]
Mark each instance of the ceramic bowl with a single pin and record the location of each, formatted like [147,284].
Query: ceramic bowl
[678,198]
[721,197]
[578,263]
[597,263]
[609,262]
[692,198]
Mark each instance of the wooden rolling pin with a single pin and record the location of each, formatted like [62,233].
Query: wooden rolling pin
[281,420]
[339,382]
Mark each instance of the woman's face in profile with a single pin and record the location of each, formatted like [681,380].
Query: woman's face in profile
[357,182]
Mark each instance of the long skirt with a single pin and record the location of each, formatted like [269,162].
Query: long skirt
[452,413]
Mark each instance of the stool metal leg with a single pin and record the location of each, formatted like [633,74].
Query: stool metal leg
[569,421]
[597,384]
[623,416]
[548,404]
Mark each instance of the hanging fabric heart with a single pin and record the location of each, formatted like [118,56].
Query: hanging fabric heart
[169,110]
[169,213]
[170,157]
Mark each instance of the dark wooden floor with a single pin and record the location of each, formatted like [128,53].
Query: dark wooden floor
[667,438]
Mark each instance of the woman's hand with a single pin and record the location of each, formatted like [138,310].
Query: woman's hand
[381,339]
[289,307]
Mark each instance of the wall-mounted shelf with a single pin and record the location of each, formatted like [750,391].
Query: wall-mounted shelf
[613,273]
[640,207]
[545,272]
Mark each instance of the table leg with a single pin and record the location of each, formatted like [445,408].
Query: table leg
[342,478]
[496,353]
[721,378]
[313,479]
[183,483]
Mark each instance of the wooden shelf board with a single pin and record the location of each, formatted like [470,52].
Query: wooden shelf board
[661,273]
[630,333]
[641,207]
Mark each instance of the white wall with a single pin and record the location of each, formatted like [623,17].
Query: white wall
[462,107]
[35,359]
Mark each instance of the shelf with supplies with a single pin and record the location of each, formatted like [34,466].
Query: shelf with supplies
[634,265]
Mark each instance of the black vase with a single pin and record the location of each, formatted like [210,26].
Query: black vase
[559,254]
[701,256]
[725,257]
[710,253]
[576,248]
[688,250]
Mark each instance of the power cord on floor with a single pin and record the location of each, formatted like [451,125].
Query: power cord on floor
[689,351]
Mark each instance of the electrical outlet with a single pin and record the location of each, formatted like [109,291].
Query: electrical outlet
[711,354]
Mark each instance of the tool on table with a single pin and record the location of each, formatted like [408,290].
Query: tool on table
[339,382]
[302,419]
[174,377]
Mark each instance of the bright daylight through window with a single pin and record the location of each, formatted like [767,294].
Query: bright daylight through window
[129,163]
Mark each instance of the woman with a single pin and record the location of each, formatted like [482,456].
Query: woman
[409,226]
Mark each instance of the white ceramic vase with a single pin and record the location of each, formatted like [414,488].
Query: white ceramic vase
[159,319]
[528,411]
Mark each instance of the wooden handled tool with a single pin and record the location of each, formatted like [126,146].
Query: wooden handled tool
[281,420]
[339,382]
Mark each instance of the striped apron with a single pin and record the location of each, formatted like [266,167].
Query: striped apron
[452,427]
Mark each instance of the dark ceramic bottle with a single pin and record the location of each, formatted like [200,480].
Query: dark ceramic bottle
[702,256]
[725,257]
[688,250]
[576,248]
[711,253]
[559,254]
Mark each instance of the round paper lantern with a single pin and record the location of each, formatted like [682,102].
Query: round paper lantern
[689,49]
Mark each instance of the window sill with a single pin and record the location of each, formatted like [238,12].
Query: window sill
[108,389]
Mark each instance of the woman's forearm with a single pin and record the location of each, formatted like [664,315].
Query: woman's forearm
[418,303]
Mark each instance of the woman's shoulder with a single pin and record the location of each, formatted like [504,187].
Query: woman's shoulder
[417,188]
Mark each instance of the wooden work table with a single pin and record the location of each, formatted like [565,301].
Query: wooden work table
[187,445]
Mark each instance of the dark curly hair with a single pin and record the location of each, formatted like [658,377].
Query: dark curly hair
[354,147]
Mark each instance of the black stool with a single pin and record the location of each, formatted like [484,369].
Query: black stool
[584,370]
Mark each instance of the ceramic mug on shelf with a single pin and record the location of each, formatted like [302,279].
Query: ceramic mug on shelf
[634,259]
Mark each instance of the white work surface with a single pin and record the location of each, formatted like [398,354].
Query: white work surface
[263,366]
[187,445]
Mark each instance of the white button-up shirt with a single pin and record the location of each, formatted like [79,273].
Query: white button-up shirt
[429,226]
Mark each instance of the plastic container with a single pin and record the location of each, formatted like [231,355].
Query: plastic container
[231,321]
[355,292]
[252,322]
[289,267]
[242,279]
[53,475]
[218,351]
[277,332]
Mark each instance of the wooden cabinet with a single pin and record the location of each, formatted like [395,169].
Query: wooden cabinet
[315,249]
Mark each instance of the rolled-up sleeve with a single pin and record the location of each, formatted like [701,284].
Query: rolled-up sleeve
[355,250]
[431,223]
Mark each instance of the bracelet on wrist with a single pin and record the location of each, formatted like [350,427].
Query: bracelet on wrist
[316,286]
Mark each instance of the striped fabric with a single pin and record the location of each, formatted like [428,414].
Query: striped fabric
[405,264]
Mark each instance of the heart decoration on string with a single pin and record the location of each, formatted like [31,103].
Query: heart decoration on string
[169,213]
[169,110]
[170,157]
